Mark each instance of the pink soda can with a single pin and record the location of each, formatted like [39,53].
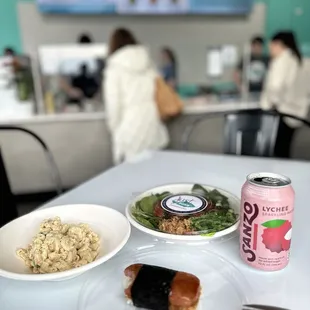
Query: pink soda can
[267,207]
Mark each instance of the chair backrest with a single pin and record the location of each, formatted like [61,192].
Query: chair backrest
[8,209]
[49,156]
[246,132]
[7,198]
[251,133]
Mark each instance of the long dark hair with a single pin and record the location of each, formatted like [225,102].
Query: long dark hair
[287,38]
[171,55]
[121,37]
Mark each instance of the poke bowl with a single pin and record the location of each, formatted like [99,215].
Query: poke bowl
[186,212]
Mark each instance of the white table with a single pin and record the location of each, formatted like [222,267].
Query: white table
[289,288]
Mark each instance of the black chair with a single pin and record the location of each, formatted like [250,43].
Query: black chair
[246,132]
[8,208]
[250,133]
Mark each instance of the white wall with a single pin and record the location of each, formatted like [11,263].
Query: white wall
[189,36]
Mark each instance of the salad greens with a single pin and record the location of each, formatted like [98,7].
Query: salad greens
[214,196]
[146,204]
[214,221]
[143,211]
[218,215]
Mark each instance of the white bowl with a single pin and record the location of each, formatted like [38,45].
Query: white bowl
[234,202]
[112,227]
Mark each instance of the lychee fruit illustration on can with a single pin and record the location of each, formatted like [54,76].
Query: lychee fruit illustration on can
[277,235]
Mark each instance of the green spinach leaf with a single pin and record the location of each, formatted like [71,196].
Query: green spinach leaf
[200,190]
[145,219]
[147,203]
[219,200]
[163,195]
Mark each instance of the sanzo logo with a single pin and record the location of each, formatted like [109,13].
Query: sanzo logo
[250,213]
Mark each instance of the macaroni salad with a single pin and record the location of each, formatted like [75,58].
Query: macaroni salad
[59,247]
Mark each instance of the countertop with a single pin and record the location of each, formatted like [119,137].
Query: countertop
[21,113]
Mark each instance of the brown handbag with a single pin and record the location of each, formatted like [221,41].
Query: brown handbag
[168,102]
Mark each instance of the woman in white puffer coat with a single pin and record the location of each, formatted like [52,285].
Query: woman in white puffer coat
[129,92]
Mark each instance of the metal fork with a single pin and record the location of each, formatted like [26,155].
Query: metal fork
[261,307]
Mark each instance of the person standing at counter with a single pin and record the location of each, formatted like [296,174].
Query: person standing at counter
[169,67]
[285,89]
[256,69]
[81,77]
[129,92]
[86,39]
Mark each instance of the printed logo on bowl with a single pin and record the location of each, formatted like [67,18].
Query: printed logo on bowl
[184,204]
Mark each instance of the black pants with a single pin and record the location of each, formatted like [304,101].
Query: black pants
[284,140]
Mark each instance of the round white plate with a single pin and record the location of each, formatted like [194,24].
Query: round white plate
[234,202]
[223,286]
[112,227]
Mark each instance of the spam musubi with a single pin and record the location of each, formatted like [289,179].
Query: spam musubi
[158,288]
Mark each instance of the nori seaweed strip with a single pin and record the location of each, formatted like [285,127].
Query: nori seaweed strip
[151,287]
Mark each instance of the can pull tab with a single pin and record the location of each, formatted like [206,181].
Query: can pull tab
[272,181]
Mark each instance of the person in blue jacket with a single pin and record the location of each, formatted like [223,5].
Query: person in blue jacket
[169,67]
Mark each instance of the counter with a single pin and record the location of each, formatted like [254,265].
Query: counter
[196,106]
[11,108]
